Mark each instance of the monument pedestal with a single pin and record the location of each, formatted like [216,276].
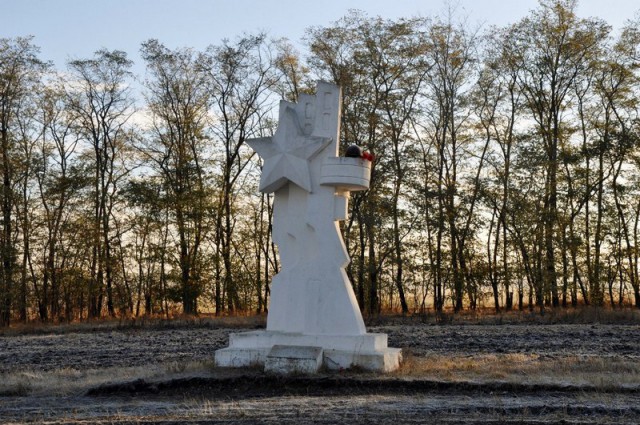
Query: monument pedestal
[368,351]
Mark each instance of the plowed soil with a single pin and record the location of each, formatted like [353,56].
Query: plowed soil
[208,395]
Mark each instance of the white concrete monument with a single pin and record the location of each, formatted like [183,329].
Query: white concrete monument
[313,318]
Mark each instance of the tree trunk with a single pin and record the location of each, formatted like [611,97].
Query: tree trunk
[374,303]
[7,241]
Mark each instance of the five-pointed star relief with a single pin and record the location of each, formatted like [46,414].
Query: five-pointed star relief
[286,155]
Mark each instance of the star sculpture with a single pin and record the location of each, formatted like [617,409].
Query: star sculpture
[286,155]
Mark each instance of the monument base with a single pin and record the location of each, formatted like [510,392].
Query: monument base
[283,352]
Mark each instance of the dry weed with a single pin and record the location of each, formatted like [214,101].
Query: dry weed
[597,371]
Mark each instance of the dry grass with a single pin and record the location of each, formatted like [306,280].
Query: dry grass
[69,381]
[487,316]
[599,372]
[595,371]
[482,406]
[107,325]
[578,315]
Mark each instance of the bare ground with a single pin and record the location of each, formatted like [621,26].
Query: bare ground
[522,373]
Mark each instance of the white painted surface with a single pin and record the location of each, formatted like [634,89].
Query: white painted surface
[311,294]
[368,342]
[346,173]
[312,301]
[285,359]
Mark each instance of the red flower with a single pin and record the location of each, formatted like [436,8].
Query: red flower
[368,156]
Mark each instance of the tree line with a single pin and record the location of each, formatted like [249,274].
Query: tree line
[506,170]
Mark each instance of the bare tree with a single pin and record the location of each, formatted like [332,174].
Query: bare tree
[178,100]
[552,46]
[20,73]
[451,53]
[240,78]
[100,100]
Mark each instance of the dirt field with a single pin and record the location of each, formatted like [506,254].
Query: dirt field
[524,373]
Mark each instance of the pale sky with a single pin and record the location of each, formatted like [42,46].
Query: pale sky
[69,29]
